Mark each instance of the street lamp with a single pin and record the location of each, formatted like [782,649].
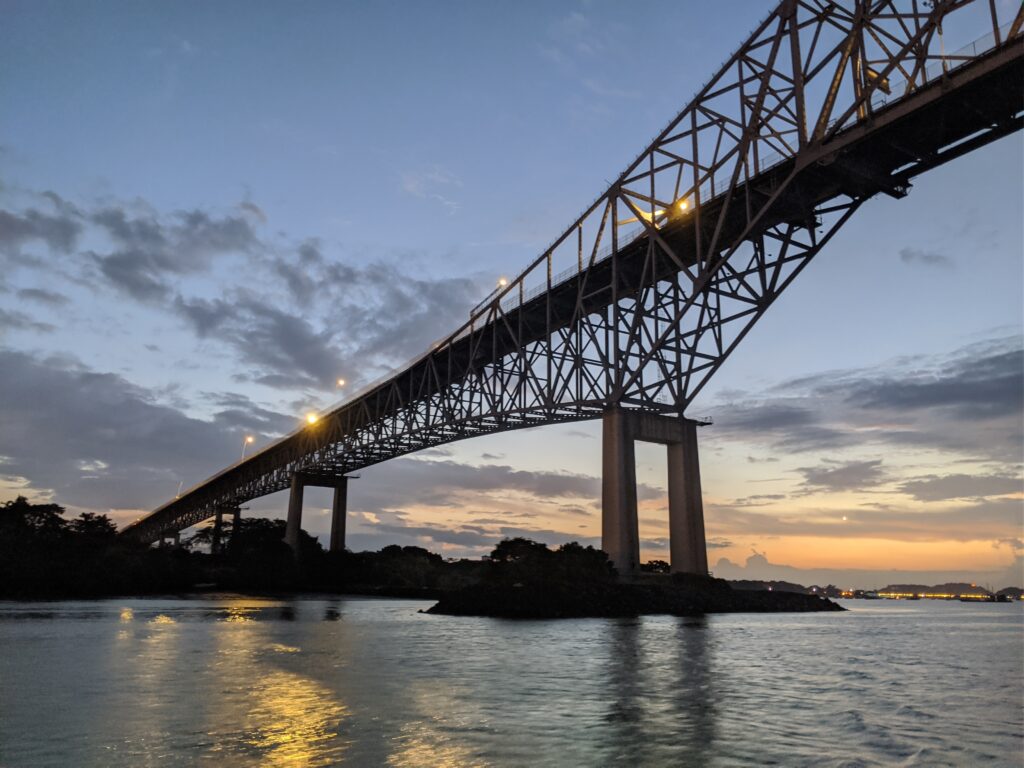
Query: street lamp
[249,440]
[311,418]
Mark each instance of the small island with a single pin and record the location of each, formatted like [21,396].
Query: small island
[524,579]
[44,555]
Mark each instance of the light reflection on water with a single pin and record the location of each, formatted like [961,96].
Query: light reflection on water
[249,681]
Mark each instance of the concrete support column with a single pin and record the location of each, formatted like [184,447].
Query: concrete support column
[218,528]
[620,533]
[689,553]
[177,539]
[294,524]
[338,512]
[236,518]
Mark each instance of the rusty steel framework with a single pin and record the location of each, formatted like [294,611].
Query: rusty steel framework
[645,295]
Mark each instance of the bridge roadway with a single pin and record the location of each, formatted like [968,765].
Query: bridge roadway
[524,360]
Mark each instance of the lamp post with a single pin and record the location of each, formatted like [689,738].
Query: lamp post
[249,440]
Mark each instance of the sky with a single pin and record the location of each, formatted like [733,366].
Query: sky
[209,212]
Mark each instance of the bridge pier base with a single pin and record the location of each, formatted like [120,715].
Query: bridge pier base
[339,511]
[620,530]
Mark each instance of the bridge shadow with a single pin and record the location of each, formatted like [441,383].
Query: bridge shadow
[652,721]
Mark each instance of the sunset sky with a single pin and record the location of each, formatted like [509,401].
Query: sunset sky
[211,211]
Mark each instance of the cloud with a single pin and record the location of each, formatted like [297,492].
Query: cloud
[986,519]
[41,296]
[60,231]
[843,476]
[285,348]
[758,567]
[428,183]
[150,249]
[253,209]
[960,486]
[970,403]
[19,321]
[976,386]
[60,416]
[444,482]
[927,258]
[294,317]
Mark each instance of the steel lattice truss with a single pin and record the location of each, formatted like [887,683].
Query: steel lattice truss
[642,298]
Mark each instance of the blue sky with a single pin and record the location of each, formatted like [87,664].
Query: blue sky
[208,212]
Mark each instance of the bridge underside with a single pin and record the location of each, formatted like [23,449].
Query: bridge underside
[673,266]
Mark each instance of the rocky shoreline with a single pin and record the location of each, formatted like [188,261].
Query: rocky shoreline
[689,596]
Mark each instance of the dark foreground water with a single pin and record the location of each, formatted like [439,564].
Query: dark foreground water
[238,681]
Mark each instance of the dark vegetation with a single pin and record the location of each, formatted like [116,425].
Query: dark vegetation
[45,555]
[525,579]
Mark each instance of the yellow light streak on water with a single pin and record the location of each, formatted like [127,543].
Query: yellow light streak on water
[294,721]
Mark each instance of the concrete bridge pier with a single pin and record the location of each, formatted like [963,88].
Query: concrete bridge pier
[294,522]
[620,534]
[218,530]
[339,509]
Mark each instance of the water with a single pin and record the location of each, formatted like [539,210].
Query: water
[238,681]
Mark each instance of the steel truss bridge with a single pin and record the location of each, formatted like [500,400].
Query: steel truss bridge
[641,299]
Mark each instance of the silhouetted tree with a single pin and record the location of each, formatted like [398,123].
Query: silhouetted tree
[96,528]
[21,519]
[655,566]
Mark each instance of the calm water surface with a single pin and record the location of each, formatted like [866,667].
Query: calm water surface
[239,681]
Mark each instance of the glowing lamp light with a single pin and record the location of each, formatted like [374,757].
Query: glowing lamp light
[341,382]
[250,439]
[683,205]
[502,282]
[311,418]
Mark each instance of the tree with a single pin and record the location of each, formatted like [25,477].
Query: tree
[20,519]
[93,526]
[519,550]
[655,566]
